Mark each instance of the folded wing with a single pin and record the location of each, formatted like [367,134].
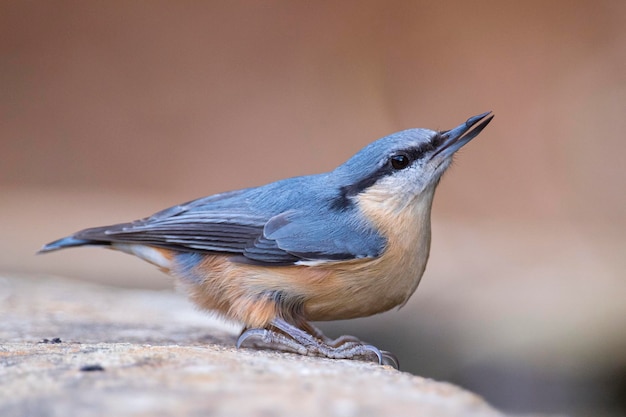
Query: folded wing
[233,223]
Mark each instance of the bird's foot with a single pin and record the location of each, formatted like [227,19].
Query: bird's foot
[285,336]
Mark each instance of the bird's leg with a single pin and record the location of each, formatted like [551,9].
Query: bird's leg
[285,335]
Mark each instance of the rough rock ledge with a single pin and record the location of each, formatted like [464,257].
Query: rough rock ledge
[69,348]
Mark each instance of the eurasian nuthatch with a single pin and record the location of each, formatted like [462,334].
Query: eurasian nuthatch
[348,243]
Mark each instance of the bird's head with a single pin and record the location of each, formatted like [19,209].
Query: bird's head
[400,168]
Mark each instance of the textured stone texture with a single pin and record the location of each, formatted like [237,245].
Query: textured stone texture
[70,348]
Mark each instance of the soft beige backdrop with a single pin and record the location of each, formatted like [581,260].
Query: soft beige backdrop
[110,111]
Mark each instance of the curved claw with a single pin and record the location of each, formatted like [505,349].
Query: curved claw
[384,357]
[375,350]
[249,333]
[390,359]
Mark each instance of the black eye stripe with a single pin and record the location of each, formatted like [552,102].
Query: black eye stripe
[411,154]
[342,201]
[419,151]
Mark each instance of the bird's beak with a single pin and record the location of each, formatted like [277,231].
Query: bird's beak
[452,140]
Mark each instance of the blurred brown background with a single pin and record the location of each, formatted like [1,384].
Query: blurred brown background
[110,111]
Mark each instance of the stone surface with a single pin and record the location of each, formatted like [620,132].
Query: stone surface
[71,348]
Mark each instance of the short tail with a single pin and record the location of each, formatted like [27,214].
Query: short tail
[70,242]
[159,257]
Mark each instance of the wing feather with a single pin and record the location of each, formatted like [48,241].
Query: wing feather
[250,223]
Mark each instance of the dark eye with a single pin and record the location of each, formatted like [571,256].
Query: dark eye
[399,161]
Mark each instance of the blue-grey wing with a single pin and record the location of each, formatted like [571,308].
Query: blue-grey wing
[252,225]
[219,223]
[309,237]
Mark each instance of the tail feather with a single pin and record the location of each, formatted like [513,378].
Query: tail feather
[69,242]
[156,256]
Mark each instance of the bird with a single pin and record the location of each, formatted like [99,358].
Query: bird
[348,243]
